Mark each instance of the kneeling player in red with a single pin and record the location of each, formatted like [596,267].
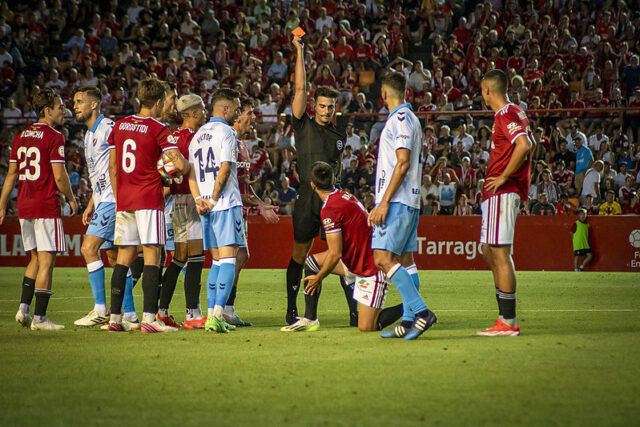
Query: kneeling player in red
[349,253]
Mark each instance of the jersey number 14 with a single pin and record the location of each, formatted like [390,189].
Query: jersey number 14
[206,165]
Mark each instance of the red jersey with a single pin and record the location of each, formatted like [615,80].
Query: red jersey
[139,143]
[34,150]
[509,123]
[183,137]
[244,166]
[342,212]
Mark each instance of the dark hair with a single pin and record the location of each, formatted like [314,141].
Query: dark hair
[224,94]
[499,80]
[44,98]
[395,81]
[326,92]
[246,102]
[151,91]
[91,91]
[322,176]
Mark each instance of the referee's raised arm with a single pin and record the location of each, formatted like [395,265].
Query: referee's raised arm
[299,104]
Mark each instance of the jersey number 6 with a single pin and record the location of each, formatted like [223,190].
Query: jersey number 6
[128,158]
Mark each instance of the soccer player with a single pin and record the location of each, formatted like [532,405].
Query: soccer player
[137,142]
[317,139]
[243,125]
[37,161]
[100,214]
[395,216]
[187,228]
[214,185]
[349,253]
[506,184]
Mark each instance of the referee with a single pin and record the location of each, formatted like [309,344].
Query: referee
[317,139]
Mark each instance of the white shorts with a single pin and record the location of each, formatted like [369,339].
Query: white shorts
[371,291]
[499,215]
[43,235]
[143,227]
[186,221]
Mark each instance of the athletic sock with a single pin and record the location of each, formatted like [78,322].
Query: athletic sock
[118,279]
[42,302]
[311,305]
[389,316]
[347,288]
[399,276]
[150,280]
[413,272]
[224,282]
[163,260]
[128,304]
[232,296]
[501,315]
[96,280]
[192,279]
[294,276]
[507,304]
[212,278]
[28,288]
[169,281]
[136,268]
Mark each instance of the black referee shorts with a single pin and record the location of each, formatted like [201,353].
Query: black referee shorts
[306,215]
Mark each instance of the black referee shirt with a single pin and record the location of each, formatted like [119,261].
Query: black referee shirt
[316,143]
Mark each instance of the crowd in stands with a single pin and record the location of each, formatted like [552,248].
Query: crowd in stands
[558,54]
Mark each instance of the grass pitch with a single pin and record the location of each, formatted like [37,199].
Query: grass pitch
[577,362]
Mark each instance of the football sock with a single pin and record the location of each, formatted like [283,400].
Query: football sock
[224,283]
[389,316]
[232,296]
[413,272]
[118,280]
[169,281]
[136,268]
[150,280]
[28,288]
[96,280]
[294,276]
[311,305]
[399,276]
[163,260]
[192,281]
[128,304]
[42,301]
[507,304]
[347,288]
[212,278]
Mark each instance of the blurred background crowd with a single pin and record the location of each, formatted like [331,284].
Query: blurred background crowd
[561,56]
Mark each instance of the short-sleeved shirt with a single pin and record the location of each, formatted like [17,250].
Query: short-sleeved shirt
[510,122]
[34,150]
[216,143]
[584,156]
[402,131]
[96,151]
[343,213]
[316,143]
[183,138]
[139,143]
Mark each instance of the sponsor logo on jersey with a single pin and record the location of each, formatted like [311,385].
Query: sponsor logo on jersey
[172,140]
[514,127]
[339,144]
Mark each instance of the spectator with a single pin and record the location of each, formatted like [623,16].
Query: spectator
[584,160]
[11,114]
[633,207]
[591,184]
[543,207]
[563,176]
[446,195]
[610,206]
[621,176]
[463,208]
[286,197]
[428,188]
[625,191]
[550,188]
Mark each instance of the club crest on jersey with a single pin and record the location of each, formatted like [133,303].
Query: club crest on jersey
[172,140]
[61,151]
[339,144]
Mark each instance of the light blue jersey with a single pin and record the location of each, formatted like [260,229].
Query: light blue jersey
[96,151]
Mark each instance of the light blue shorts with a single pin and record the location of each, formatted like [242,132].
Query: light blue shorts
[223,228]
[399,234]
[103,224]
